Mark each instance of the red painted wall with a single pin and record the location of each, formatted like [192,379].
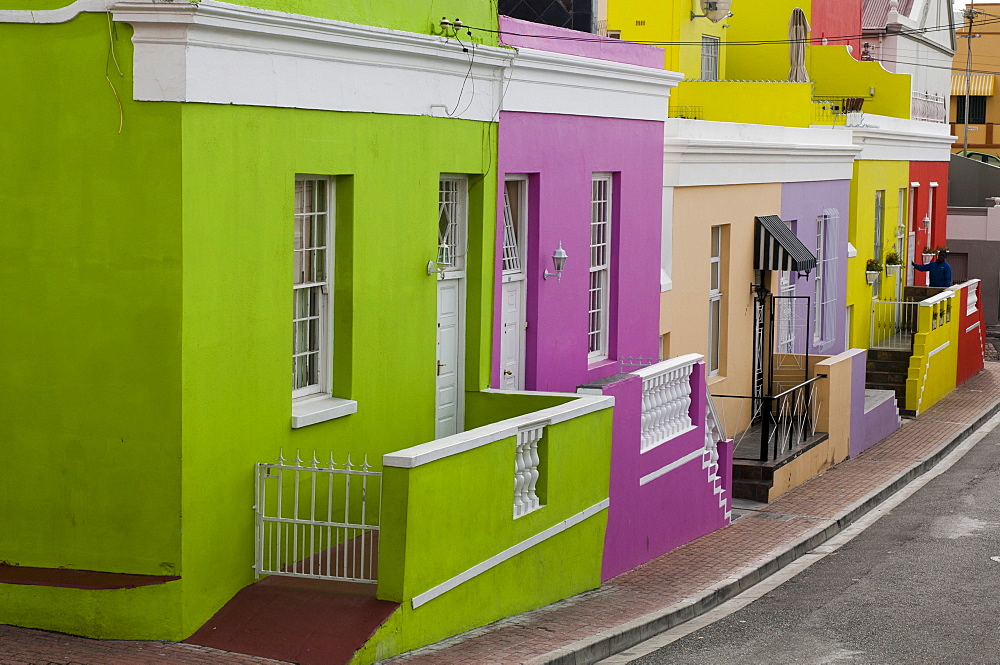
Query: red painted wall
[840,19]
[925,173]
[971,333]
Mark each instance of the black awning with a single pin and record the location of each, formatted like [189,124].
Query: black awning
[777,248]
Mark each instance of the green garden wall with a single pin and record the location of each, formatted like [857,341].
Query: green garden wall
[444,517]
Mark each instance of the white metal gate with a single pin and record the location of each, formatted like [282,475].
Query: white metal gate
[318,519]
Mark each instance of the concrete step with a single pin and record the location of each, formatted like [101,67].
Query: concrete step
[887,365]
[885,379]
[880,354]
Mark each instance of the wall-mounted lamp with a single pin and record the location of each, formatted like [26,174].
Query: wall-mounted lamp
[444,260]
[927,222]
[558,262]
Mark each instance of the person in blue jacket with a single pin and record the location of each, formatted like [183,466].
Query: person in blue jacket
[940,271]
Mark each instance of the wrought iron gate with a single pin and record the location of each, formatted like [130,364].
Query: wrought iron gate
[317,520]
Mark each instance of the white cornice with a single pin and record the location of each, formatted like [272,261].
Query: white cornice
[544,82]
[698,152]
[884,138]
[218,53]
[59,15]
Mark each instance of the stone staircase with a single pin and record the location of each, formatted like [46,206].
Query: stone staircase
[886,370]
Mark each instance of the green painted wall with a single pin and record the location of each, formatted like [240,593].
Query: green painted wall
[442,518]
[90,282]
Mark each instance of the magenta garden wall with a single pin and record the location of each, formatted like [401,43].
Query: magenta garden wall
[647,520]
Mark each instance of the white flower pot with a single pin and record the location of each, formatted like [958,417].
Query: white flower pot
[892,270]
[871,276]
[928,257]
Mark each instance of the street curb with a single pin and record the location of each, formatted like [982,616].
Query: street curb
[629,634]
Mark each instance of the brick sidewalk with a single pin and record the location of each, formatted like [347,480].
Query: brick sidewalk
[643,602]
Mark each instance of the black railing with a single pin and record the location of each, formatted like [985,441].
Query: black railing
[782,422]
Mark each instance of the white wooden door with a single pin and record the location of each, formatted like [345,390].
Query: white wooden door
[449,405]
[512,336]
[911,240]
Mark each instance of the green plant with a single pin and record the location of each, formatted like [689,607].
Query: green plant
[928,249]
[892,258]
[941,248]
[873,265]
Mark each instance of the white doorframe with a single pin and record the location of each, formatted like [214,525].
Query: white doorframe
[513,291]
[449,393]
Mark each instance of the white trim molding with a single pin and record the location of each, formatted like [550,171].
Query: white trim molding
[509,553]
[884,138]
[218,53]
[705,152]
[544,82]
[700,453]
[59,15]
[481,436]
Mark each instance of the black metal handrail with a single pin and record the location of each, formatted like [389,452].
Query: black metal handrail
[773,438]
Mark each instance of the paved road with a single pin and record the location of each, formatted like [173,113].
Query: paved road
[919,586]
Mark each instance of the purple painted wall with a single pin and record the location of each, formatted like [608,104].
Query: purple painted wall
[559,154]
[679,506]
[802,203]
[858,421]
[514,32]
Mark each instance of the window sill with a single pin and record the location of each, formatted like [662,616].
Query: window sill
[312,410]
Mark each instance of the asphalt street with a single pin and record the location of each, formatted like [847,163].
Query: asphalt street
[921,585]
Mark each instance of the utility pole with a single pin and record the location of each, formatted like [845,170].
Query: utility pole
[969,14]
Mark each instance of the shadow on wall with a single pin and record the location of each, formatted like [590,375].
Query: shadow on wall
[573,14]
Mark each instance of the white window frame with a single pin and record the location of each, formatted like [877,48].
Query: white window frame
[456,185]
[825,291]
[599,285]
[515,214]
[715,294]
[321,289]
[709,58]
[879,244]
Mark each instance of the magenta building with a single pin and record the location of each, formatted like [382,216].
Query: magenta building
[577,278]
[580,168]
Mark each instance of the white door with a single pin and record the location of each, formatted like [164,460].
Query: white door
[449,403]
[512,336]
[512,294]
[911,240]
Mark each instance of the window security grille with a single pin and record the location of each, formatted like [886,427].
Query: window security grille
[825,293]
[977,110]
[709,58]
[450,242]
[512,226]
[600,263]
[311,289]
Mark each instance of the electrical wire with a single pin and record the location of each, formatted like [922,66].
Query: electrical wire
[112,57]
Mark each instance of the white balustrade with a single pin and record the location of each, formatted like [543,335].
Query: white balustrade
[526,470]
[666,400]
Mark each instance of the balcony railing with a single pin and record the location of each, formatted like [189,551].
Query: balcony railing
[783,422]
[892,325]
[932,108]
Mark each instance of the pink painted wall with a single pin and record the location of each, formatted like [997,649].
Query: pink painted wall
[647,521]
[514,32]
[559,154]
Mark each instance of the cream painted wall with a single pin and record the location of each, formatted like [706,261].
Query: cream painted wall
[684,309]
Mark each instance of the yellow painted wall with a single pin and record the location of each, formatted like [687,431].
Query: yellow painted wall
[763,21]
[684,309]
[870,176]
[668,21]
[788,104]
[837,74]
